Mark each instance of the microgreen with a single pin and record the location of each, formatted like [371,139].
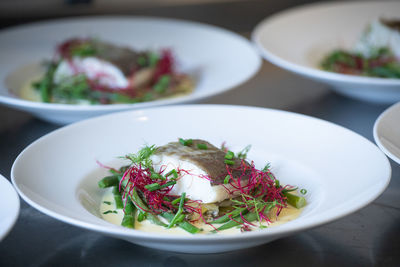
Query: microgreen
[243,154]
[143,156]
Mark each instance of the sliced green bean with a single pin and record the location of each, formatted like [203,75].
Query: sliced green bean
[108,181]
[137,201]
[232,214]
[188,227]
[128,221]
[296,201]
[117,198]
[250,217]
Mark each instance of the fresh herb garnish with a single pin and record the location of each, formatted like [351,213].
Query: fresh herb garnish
[143,156]
[243,154]
[202,146]
[186,142]
[110,211]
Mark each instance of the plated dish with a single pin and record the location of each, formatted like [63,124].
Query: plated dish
[228,60]
[191,186]
[300,150]
[375,54]
[286,40]
[387,132]
[88,71]
[9,204]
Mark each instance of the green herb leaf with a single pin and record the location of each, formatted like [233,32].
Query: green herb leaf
[202,146]
[110,211]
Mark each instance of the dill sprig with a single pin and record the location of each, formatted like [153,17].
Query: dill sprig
[142,157]
[243,154]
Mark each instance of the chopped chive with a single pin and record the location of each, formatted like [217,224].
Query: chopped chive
[152,187]
[107,202]
[229,155]
[202,146]
[180,210]
[173,202]
[168,184]
[184,224]
[229,162]
[156,186]
[227,178]
[303,191]
[186,142]
[110,211]
[155,176]
[173,173]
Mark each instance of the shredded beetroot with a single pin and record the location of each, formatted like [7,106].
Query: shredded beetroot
[250,184]
[164,65]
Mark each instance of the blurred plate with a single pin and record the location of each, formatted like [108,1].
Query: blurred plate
[218,59]
[9,206]
[58,173]
[298,39]
[387,132]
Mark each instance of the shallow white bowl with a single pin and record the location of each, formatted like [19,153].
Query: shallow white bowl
[58,173]
[218,59]
[387,132]
[9,206]
[297,40]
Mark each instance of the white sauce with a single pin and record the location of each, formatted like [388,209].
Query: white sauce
[287,214]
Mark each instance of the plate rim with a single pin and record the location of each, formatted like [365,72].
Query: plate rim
[376,134]
[16,201]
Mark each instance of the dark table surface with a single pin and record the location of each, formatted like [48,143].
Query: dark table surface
[369,237]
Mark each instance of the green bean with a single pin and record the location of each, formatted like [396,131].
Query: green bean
[117,198]
[108,181]
[234,213]
[296,201]
[137,201]
[129,217]
[128,221]
[180,210]
[252,216]
[188,227]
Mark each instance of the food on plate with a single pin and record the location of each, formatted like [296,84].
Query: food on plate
[196,187]
[376,54]
[90,71]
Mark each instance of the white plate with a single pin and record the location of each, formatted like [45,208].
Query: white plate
[9,206]
[218,59]
[58,173]
[387,132]
[297,40]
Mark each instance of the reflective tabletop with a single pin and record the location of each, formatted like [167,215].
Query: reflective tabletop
[369,237]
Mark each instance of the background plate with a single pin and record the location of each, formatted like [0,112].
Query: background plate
[218,59]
